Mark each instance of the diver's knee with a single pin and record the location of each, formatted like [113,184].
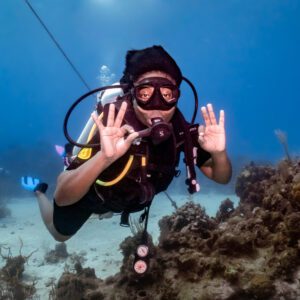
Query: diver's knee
[61,238]
[57,235]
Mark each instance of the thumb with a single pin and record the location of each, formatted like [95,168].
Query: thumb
[131,137]
[126,129]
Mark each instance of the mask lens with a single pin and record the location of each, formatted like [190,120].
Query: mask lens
[144,93]
[169,94]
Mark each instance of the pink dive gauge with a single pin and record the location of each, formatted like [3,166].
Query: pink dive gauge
[140,266]
[142,250]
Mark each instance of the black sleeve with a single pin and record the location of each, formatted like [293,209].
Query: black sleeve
[202,156]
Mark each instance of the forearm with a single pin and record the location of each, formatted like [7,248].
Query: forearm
[74,184]
[221,167]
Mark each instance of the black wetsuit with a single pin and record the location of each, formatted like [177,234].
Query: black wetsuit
[131,193]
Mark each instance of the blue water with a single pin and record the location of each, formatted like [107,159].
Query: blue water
[242,56]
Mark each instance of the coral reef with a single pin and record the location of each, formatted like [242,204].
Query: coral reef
[59,253]
[11,285]
[4,211]
[248,252]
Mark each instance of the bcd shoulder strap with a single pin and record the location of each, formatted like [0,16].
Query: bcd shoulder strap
[185,133]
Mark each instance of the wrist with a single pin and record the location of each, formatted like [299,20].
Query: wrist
[41,188]
[218,154]
[104,159]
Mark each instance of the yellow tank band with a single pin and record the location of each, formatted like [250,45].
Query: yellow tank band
[144,161]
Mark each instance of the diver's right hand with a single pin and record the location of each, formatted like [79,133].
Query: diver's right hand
[113,142]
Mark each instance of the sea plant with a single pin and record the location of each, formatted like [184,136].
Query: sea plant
[282,138]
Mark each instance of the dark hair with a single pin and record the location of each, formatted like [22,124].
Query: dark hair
[154,58]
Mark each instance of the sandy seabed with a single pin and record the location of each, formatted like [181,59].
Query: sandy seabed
[97,242]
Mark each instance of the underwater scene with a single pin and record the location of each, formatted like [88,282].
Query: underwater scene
[150,150]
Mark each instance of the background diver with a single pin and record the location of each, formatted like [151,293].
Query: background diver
[129,168]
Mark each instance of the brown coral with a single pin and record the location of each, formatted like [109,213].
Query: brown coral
[248,252]
[11,285]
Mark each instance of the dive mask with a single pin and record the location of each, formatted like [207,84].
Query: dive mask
[155,93]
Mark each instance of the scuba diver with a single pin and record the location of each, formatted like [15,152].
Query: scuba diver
[134,151]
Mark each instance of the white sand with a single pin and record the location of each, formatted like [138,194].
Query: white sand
[97,241]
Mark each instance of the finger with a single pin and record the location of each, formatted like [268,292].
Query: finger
[97,121]
[200,140]
[211,114]
[121,113]
[201,130]
[111,115]
[205,115]
[222,118]
[131,137]
[33,181]
[126,129]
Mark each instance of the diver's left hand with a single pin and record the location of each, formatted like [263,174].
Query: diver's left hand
[29,183]
[211,137]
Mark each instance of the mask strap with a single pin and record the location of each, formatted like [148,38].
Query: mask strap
[195,97]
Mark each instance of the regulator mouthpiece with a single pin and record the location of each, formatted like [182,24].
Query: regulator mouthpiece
[158,132]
